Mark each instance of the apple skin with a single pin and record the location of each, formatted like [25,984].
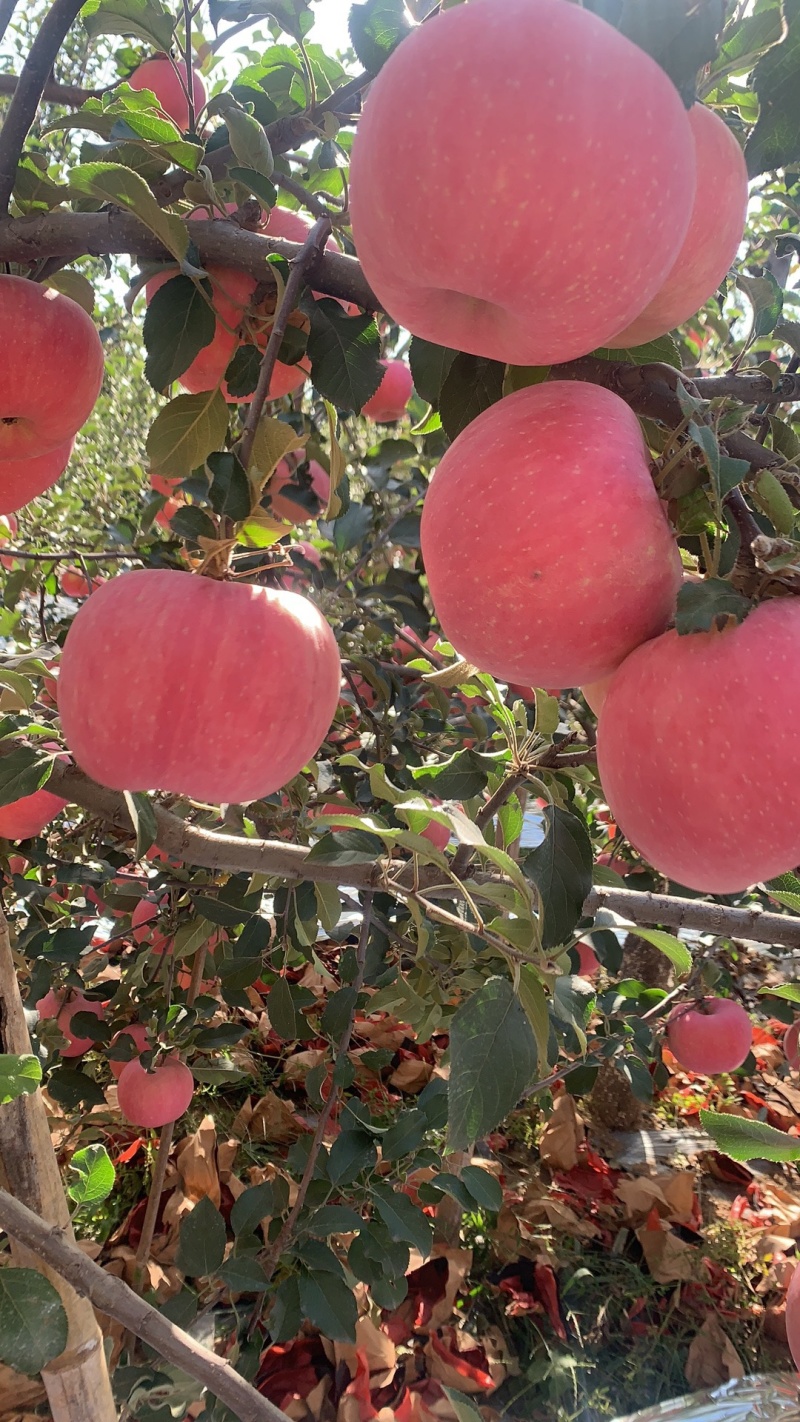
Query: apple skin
[793,1317]
[392,395]
[138,1032]
[710,1038]
[147,671]
[791,1045]
[25,818]
[588,961]
[24,479]
[232,291]
[159,76]
[74,583]
[283,505]
[154,1098]
[547,550]
[595,693]
[51,368]
[143,921]
[56,1005]
[691,731]
[712,241]
[540,254]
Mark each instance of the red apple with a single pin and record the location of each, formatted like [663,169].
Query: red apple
[791,1045]
[219,691]
[580,565]
[25,818]
[143,920]
[74,583]
[283,505]
[24,479]
[712,241]
[161,76]
[793,1316]
[154,1098]
[709,1036]
[63,1007]
[692,730]
[538,189]
[392,395]
[138,1034]
[51,368]
[588,961]
[595,693]
[164,486]
[232,291]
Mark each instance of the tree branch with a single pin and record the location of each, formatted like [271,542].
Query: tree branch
[7,8]
[27,240]
[114,1297]
[70,95]
[35,74]
[301,265]
[753,922]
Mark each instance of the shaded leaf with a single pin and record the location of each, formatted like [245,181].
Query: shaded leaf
[344,352]
[712,603]
[561,869]
[33,1324]
[178,323]
[330,1305]
[472,384]
[202,1240]
[376,28]
[493,1057]
[22,773]
[110,182]
[775,140]
[186,431]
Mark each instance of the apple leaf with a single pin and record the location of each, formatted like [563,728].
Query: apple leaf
[143,19]
[110,182]
[33,1324]
[186,431]
[744,1139]
[19,1075]
[561,869]
[493,1058]
[775,140]
[472,384]
[376,28]
[714,603]
[178,324]
[344,352]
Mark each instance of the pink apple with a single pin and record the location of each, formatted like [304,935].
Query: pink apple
[709,1036]
[712,241]
[154,1098]
[63,1006]
[141,1041]
[538,189]
[160,77]
[791,1045]
[595,693]
[24,479]
[692,730]
[581,565]
[392,395]
[588,961]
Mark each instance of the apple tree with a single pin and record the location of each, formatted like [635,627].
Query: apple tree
[400,487]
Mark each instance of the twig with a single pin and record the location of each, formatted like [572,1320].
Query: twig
[29,90]
[487,812]
[743,518]
[187,56]
[307,256]
[309,200]
[70,95]
[273,1254]
[112,1296]
[7,8]
[73,554]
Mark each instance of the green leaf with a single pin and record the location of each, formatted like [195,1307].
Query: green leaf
[33,1324]
[405,1136]
[743,1139]
[493,1057]
[281,1010]
[534,1000]
[96,1175]
[714,603]
[19,1075]
[243,1275]
[330,1305]
[285,1316]
[403,1219]
[769,495]
[241,377]
[347,847]
[231,492]
[473,383]
[465,774]
[670,946]
[334,1219]
[178,323]
[519,377]
[110,182]
[376,28]
[731,473]
[337,1010]
[775,140]
[144,19]
[430,365]
[186,431]
[251,1207]
[561,869]
[22,773]
[664,351]
[143,819]
[202,1240]
[790,992]
[765,297]
[463,1406]
[351,1153]
[344,352]
[249,142]
[484,1187]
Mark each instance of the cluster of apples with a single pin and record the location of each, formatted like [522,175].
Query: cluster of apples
[579,206]
[51,370]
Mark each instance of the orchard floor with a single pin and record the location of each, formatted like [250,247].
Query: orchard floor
[630,1262]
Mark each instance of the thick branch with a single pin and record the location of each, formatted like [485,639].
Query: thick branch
[75,234]
[26,100]
[70,95]
[754,922]
[112,1296]
[7,8]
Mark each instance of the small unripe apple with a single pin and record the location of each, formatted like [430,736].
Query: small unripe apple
[63,1007]
[138,1035]
[154,1098]
[791,1045]
[709,1036]
[392,395]
[160,77]
[51,368]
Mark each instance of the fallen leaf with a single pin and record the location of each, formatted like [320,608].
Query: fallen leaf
[273,1120]
[411,1075]
[668,1258]
[457,1360]
[712,1357]
[196,1163]
[563,1135]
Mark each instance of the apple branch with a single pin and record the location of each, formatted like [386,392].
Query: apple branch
[113,1296]
[28,94]
[70,95]
[7,8]
[301,265]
